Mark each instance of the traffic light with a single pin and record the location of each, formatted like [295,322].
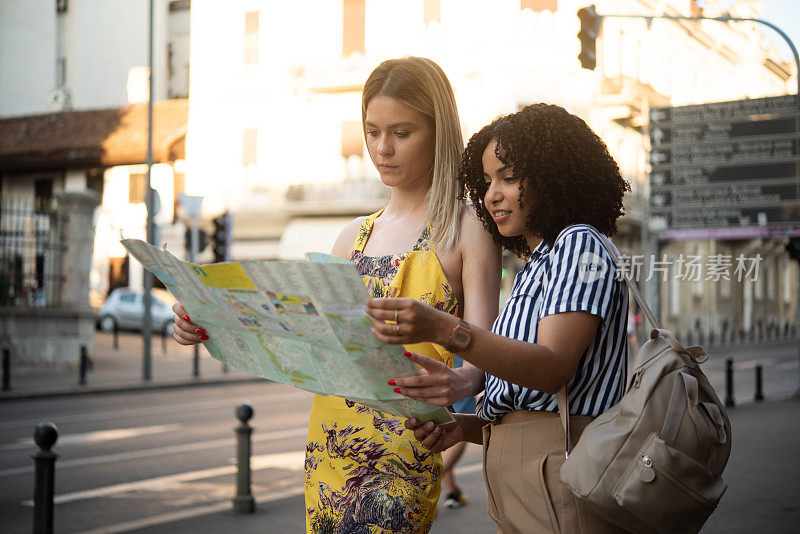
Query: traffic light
[590,29]
[202,239]
[221,237]
[793,248]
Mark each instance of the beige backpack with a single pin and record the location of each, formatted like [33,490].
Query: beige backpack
[653,461]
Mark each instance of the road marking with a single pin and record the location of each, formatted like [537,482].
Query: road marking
[467,469]
[283,460]
[159,451]
[750,364]
[189,513]
[97,436]
[262,498]
[220,404]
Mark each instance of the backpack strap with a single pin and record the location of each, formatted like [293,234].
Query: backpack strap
[562,397]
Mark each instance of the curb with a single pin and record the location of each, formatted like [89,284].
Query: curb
[115,387]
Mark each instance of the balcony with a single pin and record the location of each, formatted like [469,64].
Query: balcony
[357,197]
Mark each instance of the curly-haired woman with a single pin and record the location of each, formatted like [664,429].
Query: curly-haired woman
[545,187]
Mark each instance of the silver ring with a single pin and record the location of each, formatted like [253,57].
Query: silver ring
[396,330]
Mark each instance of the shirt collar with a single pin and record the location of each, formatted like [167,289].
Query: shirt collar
[541,249]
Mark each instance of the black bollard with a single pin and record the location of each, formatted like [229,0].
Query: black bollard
[243,503]
[83,366]
[6,369]
[759,384]
[116,336]
[45,437]
[729,383]
[196,361]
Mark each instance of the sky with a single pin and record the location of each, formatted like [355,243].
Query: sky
[783,13]
[786,15]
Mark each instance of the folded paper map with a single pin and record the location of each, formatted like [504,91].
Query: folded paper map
[300,323]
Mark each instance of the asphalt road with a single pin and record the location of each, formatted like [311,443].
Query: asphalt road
[163,460]
[128,456]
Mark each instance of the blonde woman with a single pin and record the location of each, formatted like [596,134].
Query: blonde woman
[364,471]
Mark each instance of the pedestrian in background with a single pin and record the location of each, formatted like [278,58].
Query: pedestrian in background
[454,497]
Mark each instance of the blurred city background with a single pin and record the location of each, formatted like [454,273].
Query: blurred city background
[257,139]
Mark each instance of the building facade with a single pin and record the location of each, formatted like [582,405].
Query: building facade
[73,115]
[275,133]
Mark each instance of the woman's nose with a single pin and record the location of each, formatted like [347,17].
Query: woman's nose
[492,195]
[384,146]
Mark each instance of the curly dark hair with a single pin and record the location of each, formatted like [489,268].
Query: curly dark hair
[573,178]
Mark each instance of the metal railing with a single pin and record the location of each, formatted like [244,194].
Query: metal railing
[31,247]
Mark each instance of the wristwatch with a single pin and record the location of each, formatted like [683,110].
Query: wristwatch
[460,337]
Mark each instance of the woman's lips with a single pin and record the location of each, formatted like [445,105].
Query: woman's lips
[501,216]
[386,168]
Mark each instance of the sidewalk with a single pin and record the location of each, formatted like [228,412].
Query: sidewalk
[172,366]
[121,370]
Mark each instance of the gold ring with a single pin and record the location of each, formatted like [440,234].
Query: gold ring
[396,330]
[395,315]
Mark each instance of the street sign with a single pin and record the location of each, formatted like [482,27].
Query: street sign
[191,204]
[725,165]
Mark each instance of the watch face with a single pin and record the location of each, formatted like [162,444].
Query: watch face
[461,336]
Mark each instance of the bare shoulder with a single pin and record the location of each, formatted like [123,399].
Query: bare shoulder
[343,245]
[474,236]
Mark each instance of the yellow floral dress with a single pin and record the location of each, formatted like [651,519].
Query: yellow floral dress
[364,472]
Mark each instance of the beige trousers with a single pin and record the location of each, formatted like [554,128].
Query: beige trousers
[521,460]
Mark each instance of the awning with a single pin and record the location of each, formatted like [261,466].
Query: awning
[310,234]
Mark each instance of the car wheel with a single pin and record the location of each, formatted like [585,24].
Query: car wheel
[107,324]
[169,328]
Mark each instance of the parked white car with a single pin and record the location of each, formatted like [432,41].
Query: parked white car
[124,309]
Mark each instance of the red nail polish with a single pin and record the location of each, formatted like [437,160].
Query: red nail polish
[397,390]
[392,382]
[406,354]
[186,318]
[201,331]
[203,338]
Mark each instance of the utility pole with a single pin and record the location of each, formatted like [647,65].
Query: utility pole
[150,203]
[191,204]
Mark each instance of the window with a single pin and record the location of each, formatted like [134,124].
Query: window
[432,11]
[250,147]
[128,298]
[137,188]
[539,5]
[787,282]
[352,139]
[251,38]
[770,276]
[353,14]
[43,193]
[758,288]
[61,72]
[674,295]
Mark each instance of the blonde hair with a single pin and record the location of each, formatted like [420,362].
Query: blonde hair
[421,84]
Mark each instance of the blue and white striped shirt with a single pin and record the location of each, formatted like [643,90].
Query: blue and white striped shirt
[577,274]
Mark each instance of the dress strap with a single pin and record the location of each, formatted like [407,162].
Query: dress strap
[422,243]
[366,229]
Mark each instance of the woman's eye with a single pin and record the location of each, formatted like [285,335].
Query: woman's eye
[372,133]
[510,179]
[401,134]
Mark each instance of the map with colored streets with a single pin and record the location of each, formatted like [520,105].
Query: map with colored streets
[300,323]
